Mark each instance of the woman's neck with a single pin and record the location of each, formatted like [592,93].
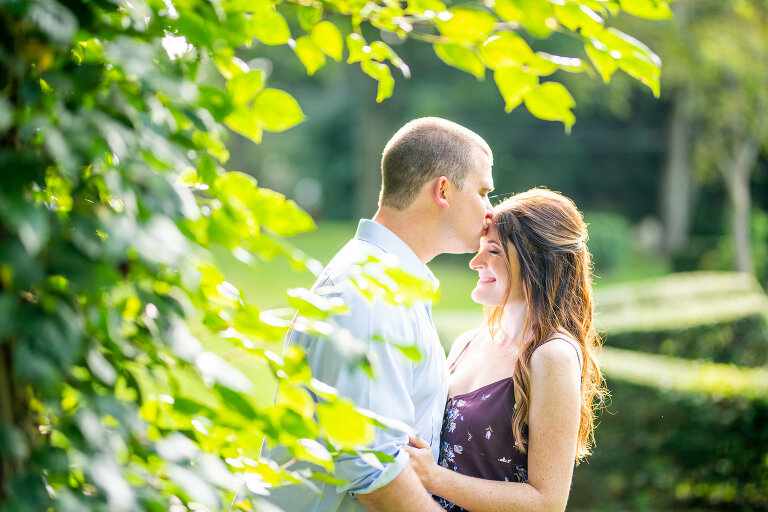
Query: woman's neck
[513,319]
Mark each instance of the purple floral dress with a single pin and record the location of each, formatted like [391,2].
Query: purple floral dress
[477,437]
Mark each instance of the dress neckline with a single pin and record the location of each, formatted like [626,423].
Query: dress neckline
[481,388]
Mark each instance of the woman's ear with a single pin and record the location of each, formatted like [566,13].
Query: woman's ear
[440,191]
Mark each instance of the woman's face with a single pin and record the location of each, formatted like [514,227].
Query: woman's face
[493,277]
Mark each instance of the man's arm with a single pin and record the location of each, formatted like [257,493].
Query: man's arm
[403,494]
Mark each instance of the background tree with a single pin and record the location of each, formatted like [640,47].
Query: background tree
[719,110]
[113,117]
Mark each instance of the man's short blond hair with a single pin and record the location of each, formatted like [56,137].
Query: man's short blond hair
[424,149]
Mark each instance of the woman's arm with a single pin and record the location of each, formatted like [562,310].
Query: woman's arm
[553,427]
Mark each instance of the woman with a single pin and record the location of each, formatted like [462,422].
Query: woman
[524,386]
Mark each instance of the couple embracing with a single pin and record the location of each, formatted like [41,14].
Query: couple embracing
[501,423]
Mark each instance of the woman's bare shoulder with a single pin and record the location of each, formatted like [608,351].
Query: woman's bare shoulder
[559,351]
[460,342]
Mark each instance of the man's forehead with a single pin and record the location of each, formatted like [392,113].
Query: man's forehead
[483,177]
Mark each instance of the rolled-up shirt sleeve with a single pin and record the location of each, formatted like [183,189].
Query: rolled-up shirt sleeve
[388,394]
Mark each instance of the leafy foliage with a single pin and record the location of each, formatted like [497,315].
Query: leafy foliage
[113,117]
[715,53]
[678,435]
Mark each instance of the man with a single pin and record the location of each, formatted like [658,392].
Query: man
[436,177]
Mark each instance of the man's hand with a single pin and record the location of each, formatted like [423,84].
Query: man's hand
[403,494]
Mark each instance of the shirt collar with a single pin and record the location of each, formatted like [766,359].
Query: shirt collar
[376,234]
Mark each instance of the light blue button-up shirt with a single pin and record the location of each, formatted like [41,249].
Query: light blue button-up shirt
[412,392]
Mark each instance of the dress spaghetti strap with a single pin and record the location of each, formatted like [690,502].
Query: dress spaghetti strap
[471,335]
[578,352]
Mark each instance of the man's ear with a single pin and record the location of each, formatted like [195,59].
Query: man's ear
[441,190]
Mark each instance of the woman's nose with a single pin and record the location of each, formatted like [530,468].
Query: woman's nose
[477,262]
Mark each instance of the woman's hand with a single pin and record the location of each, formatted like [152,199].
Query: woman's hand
[422,461]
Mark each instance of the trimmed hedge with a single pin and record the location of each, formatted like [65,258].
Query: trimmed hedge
[677,435]
[719,316]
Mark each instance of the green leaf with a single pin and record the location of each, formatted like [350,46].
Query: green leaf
[191,407]
[248,321]
[194,486]
[649,9]
[412,352]
[381,51]
[101,368]
[602,6]
[214,368]
[227,64]
[54,19]
[310,304]
[536,16]
[328,38]
[312,451]
[235,402]
[295,364]
[616,40]
[643,70]
[297,398]
[277,109]
[461,58]
[381,73]
[183,343]
[269,27]
[322,477]
[282,216]
[212,143]
[245,121]
[380,456]
[508,10]
[601,58]
[243,87]
[465,25]
[371,459]
[575,16]
[355,45]
[343,425]
[194,27]
[551,101]
[215,101]
[514,84]
[309,54]
[420,7]
[308,16]
[544,64]
[540,65]
[505,49]
[292,426]
[636,59]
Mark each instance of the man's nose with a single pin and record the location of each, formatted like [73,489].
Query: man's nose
[487,222]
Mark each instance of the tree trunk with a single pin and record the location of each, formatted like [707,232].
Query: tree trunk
[18,425]
[676,186]
[737,175]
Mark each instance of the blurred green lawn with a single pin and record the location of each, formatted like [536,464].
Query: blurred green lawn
[454,311]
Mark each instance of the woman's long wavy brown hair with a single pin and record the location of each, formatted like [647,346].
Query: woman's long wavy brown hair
[550,237]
